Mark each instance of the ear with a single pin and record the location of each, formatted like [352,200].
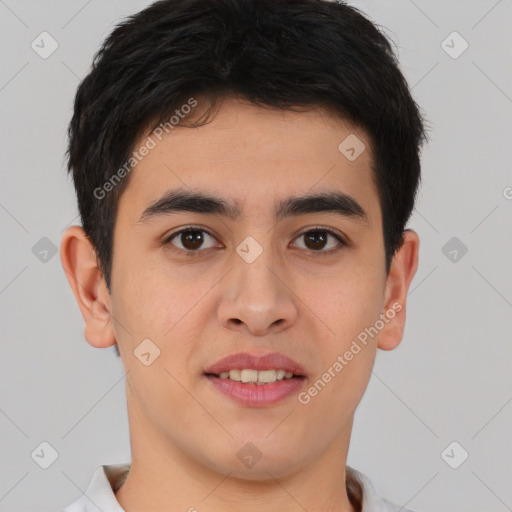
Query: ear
[78,259]
[402,270]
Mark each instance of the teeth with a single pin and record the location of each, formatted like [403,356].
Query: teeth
[280,374]
[234,375]
[256,376]
[267,376]
[249,375]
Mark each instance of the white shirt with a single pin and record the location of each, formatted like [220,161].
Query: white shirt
[106,479]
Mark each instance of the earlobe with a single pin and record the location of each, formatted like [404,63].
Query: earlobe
[78,259]
[403,268]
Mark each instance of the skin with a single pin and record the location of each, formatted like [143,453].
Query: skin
[185,435]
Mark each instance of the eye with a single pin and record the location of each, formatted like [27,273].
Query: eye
[317,239]
[191,239]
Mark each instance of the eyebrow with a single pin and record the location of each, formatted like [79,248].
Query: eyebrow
[203,203]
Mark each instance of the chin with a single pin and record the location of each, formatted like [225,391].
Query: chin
[256,470]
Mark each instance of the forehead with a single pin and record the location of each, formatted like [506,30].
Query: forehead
[254,157]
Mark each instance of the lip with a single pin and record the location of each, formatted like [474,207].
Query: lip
[251,394]
[244,360]
[254,395]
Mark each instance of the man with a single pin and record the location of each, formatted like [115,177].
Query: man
[244,172]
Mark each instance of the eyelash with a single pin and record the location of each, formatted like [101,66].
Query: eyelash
[190,253]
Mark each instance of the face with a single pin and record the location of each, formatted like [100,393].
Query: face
[303,285]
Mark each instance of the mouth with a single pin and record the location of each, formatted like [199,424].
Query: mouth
[263,368]
[256,380]
[258,377]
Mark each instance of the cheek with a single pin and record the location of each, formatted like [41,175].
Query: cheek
[166,307]
[349,307]
[152,298]
[346,355]
[350,302]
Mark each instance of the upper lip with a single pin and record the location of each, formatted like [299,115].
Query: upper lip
[244,360]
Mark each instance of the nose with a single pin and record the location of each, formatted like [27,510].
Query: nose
[257,299]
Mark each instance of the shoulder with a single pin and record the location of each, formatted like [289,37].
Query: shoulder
[80,505]
[100,491]
[371,500]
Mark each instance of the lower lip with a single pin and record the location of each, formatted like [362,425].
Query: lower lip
[256,395]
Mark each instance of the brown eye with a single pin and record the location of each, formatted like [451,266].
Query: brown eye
[190,239]
[316,240]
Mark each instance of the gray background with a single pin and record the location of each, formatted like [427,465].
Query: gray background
[450,380]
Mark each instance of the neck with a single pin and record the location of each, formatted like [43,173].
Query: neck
[145,491]
[164,477]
